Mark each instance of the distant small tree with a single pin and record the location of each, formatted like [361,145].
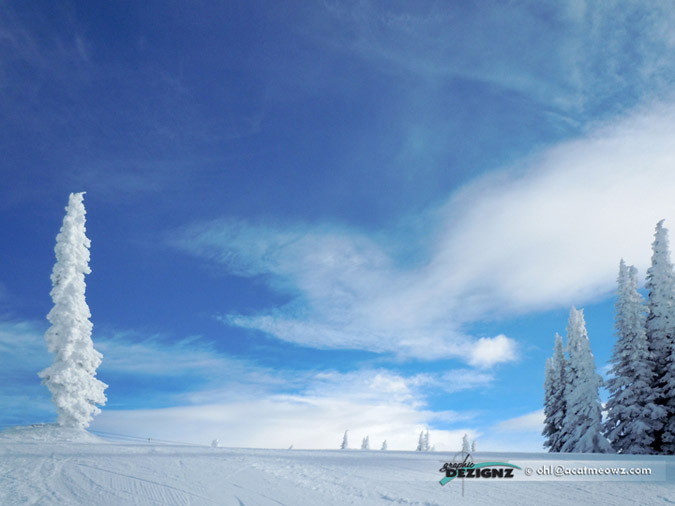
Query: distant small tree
[365,444]
[72,377]
[384,445]
[466,447]
[345,441]
[420,442]
[423,442]
[473,446]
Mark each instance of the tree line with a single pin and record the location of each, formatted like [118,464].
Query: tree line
[640,412]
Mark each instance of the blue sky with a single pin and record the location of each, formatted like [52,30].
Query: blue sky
[308,217]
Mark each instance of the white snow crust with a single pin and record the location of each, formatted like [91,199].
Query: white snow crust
[47,466]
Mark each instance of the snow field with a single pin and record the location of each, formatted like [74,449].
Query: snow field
[83,471]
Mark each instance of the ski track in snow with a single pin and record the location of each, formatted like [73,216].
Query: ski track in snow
[103,473]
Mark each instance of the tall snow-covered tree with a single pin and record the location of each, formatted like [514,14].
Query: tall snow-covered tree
[554,397]
[345,441]
[365,443]
[660,331]
[473,446]
[632,415]
[466,447]
[72,377]
[384,445]
[582,426]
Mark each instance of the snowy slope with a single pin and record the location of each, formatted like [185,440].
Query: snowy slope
[46,467]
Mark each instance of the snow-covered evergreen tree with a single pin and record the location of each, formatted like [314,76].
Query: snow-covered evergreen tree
[345,441]
[660,331]
[668,437]
[423,442]
[473,446]
[384,445]
[582,425]
[420,443]
[466,447]
[72,377]
[554,397]
[550,431]
[632,415]
[365,443]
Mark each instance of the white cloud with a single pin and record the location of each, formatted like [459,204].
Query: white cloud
[552,234]
[22,347]
[247,405]
[458,380]
[279,421]
[545,234]
[519,434]
[23,352]
[529,422]
[379,404]
[490,351]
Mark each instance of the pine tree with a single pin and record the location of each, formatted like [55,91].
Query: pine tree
[72,377]
[582,426]
[550,431]
[660,330]
[384,445]
[365,443]
[631,411]
[668,437]
[554,397]
[423,442]
[345,441]
[473,446]
[466,447]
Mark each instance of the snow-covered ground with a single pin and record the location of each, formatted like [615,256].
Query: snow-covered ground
[46,466]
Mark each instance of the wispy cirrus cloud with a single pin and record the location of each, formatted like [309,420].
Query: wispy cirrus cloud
[342,283]
[529,422]
[545,234]
[521,433]
[573,56]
